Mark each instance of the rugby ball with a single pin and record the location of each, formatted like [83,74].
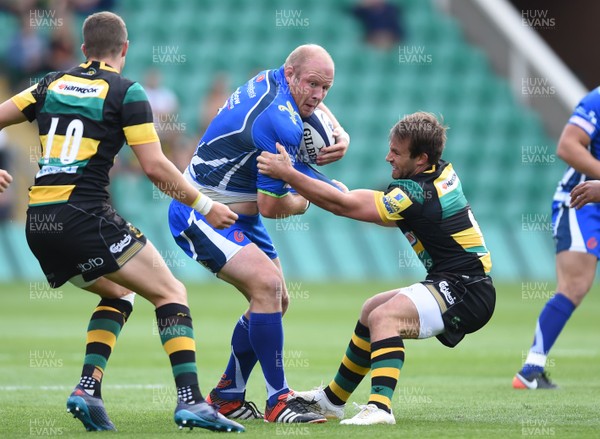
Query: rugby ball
[318,133]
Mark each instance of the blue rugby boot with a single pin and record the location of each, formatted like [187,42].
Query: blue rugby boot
[204,415]
[89,410]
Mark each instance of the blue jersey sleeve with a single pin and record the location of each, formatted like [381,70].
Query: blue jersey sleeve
[308,170]
[585,115]
[266,184]
[271,127]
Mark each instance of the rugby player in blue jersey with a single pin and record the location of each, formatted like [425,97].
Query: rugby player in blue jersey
[266,110]
[426,202]
[84,117]
[576,230]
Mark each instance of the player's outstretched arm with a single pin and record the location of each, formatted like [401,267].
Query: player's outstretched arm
[573,149]
[10,114]
[358,204]
[584,193]
[166,177]
[335,152]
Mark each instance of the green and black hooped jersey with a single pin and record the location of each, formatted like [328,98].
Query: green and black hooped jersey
[434,215]
[85,115]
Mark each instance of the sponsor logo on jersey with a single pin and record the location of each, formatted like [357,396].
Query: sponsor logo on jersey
[77,89]
[90,72]
[388,204]
[449,184]
[412,239]
[118,247]
[90,264]
[47,170]
[234,99]
[260,78]
[250,90]
[445,290]
[290,109]
[393,203]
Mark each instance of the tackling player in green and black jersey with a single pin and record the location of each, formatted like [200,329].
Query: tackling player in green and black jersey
[427,203]
[84,116]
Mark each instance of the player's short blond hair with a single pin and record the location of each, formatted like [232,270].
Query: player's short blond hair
[425,133]
[104,34]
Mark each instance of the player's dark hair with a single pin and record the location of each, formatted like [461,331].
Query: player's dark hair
[104,34]
[424,131]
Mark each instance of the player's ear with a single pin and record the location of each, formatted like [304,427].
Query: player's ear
[84,50]
[288,72]
[124,49]
[423,159]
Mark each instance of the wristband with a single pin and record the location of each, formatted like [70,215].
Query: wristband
[203,204]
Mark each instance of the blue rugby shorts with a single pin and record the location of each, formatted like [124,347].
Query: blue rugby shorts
[576,230]
[213,247]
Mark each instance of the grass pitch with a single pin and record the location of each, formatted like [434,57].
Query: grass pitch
[452,393]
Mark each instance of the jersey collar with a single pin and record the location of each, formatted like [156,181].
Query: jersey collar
[98,64]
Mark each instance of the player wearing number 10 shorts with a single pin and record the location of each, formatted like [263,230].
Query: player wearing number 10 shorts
[70,187]
[84,117]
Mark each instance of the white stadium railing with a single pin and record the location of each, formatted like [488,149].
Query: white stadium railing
[521,55]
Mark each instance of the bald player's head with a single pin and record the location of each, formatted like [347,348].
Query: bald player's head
[309,71]
[306,53]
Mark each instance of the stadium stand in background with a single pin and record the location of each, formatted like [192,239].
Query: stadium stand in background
[498,145]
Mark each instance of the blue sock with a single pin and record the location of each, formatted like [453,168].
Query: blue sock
[552,320]
[241,362]
[266,336]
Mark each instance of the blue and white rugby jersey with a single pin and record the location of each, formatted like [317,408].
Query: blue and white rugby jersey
[257,114]
[585,117]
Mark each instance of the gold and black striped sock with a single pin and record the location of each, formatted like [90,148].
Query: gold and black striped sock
[355,365]
[105,325]
[387,358]
[177,336]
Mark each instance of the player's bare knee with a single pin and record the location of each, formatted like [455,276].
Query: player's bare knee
[267,289]
[369,305]
[379,316]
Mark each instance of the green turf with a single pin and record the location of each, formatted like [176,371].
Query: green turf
[461,392]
